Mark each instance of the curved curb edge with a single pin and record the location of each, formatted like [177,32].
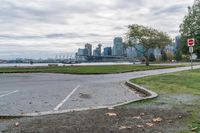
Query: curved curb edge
[128,85]
[149,94]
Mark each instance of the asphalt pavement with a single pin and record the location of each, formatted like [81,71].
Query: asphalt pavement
[39,93]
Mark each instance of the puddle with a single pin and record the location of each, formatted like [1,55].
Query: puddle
[84,96]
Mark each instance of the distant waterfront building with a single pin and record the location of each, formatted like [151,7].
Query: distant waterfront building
[131,52]
[157,53]
[178,41]
[118,46]
[99,46]
[171,48]
[140,50]
[89,48]
[82,52]
[107,51]
[136,50]
[81,55]
[1,61]
[97,51]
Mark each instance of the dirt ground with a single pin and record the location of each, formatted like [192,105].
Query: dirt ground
[119,120]
[165,114]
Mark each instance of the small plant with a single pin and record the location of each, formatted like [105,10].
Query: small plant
[152,57]
[178,56]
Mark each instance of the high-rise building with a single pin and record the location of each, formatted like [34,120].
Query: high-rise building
[131,52]
[178,41]
[99,46]
[89,47]
[157,53]
[170,48]
[118,46]
[97,51]
[82,52]
[107,51]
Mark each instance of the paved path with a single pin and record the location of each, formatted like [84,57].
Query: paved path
[35,93]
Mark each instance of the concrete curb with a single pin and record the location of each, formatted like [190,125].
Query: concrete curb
[127,85]
[149,94]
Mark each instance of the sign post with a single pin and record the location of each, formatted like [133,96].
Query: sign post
[191,52]
[191,43]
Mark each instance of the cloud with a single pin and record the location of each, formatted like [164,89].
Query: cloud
[170,10]
[54,36]
[60,26]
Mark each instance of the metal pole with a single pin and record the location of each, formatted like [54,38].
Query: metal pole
[191,62]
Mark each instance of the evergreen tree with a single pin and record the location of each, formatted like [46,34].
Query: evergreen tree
[178,56]
[190,28]
[164,56]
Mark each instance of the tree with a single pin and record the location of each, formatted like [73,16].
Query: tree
[178,56]
[164,56]
[148,37]
[152,57]
[190,28]
[169,56]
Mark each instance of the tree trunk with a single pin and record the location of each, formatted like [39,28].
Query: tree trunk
[147,60]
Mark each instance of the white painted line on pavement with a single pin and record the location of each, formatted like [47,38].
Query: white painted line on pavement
[4,92]
[67,97]
[8,93]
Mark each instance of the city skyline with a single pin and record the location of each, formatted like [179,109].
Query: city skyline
[44,28]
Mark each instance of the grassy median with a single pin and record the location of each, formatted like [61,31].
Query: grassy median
[83,69]
[179,90]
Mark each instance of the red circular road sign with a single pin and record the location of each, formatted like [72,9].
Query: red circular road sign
[191,42]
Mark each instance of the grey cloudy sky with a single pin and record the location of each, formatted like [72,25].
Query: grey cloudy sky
[46,28]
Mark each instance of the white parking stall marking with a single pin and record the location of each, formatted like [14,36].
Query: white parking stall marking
[9,93]
[4,92]
[66,98]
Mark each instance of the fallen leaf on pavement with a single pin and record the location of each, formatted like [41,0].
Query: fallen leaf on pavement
[137,117]
[150,124]
[142,114]
[124,127]
[158,119]
[140,126]
[180,117]
[111,114]
[16,124]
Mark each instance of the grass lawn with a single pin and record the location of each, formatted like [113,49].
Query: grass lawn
[84,69]
[180,90]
